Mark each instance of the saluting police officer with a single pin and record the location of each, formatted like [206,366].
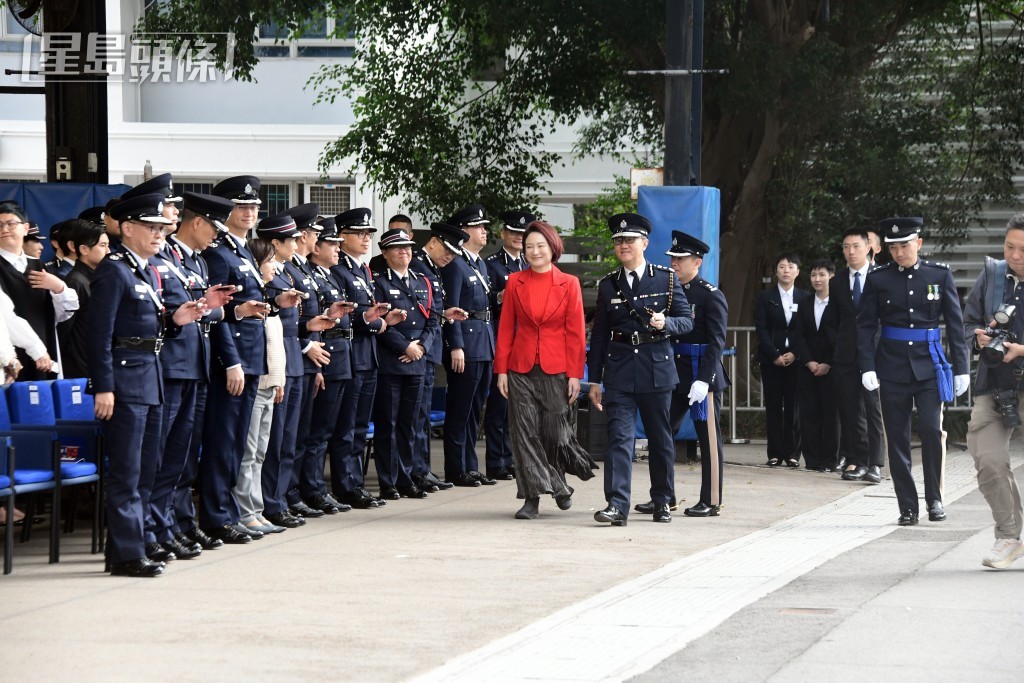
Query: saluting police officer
[129,322]
[639,307]
[702,376]
[907,299]
[501,264]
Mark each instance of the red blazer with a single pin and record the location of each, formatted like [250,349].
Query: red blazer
[559,336]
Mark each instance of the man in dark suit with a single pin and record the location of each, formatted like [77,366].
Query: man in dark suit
[92,245]
[900,352]
[128,320]
[640,307]
[862,438]
[774,321]
[814,339]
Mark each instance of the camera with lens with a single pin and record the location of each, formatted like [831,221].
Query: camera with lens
[994,352]
[1007,405]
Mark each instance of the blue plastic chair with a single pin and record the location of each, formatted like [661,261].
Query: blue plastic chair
[368,451]
[437,399]
[7,493]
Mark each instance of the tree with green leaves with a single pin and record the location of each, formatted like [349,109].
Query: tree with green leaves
[825,119]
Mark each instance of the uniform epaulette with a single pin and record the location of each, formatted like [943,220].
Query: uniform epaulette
[378,274]
[661,267]
[611,275]
[708,286]
[881,267]
[936,264]
[116,256]
[492,256]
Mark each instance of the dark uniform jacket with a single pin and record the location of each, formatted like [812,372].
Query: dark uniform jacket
[331,289]
[239,341]
[770,322]
[622,365]
[710,319]
[357,286]
[289,317]
[899,297]
[416,299]
[74,332]
[424,265]
[499,266]
[467,286]
[299,271]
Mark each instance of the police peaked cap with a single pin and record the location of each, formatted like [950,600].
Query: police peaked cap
[900,229]
[214,209]
[517,220]
[354,219]
[630,225]
[450,236]
[147,208]
[471,216]
[280,226]
[305,215]
[162,184]
[395,238]
[93,214]
[241,189]
[686,245]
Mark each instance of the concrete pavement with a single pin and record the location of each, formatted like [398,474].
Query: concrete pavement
[453,588]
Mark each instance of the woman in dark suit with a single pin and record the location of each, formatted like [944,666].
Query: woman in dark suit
[539,360]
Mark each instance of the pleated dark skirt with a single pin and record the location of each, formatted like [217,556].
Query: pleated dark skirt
[544,445]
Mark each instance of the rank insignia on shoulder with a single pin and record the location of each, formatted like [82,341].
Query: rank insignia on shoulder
[708,286]
[116,256]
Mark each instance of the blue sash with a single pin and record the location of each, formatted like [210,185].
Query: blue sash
[943,370]
[699,410]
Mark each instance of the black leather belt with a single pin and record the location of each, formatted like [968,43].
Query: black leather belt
[637,338]
[479,315]
[335,333]
[139,344]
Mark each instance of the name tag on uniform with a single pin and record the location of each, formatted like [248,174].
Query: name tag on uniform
[334,292]
[307,281]
[162,269]
[245,267]
[472,278]
[140,288]
[615,301]
[394,292]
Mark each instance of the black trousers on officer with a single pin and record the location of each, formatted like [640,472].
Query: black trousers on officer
[654,408]
[499,453]
[278,474]
[224,437]
[819,420]
[861,435]
[179,416]
[709,435]
[309,456]
[463,405]
[184,508]
[779,386]
[321,425]
[394,417]
[421,434]
[349,439]
[898,400]
[124,433]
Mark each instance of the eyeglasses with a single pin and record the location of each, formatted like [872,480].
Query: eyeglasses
[624,240]
[358,233]
[10,224]
[152,227]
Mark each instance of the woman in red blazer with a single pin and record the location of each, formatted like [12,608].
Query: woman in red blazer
[539,360]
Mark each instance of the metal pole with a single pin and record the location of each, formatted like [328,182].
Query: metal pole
[697,96]
[678,92]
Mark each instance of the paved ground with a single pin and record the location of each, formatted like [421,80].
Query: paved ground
[802,575]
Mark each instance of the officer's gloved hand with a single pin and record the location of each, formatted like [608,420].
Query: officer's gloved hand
[698,392]
[869,380]
[961,383]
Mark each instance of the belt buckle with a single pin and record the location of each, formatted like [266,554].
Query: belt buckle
[634,338]
[159,344]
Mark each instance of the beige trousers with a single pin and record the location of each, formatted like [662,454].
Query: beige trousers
[989,443]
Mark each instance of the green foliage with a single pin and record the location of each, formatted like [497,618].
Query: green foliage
[592,225]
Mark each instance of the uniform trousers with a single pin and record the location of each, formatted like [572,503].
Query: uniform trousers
[779,386]
[184,508]
[124,433]
[280,464]
[988,440]
[179,414]
[224,436]
[310,444]
[496,428]
[654,407]
[861,435]
[709,435]
[819,420]
[421,434]
[323,420]
[463,404]
[898,400]
[394,416]
[151,463]
[248,489]
[349,438]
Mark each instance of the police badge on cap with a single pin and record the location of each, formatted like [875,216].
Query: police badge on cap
[277,227]
[629,225]
[686,245]
[450,236]
[900,229]
[516,221]
[147,208]
[354,219]
[470,217]
[241,189]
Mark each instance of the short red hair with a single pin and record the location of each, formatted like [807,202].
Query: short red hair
[550,236]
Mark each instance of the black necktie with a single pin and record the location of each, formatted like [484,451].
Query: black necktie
[856,289]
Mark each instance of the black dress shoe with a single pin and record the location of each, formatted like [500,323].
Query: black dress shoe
[359,498]
[648,507]
[501,473]
[254,534]
[935,511]
[841,465]
[187,542]
[411,492]
[180,551]
[319,502]
[300,509]
[486,481]
[140,568]
[228,534]
[702,509]
[424,485]
[390,493]
[157,553]
[611,514]
[204,539]
[661,513]
[437,481]
[874,474]
[855,474]
[465,479]
[283,519]
[908,518]
[342,507]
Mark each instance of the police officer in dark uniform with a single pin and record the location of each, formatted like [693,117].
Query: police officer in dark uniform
[348,439]
[702,376]
[639,307]
[129,321]
[445,244]
[907,299]
[468,350]
[402,357]
[63,260]
[501,264]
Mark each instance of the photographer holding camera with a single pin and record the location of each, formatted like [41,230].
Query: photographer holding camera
[997,333]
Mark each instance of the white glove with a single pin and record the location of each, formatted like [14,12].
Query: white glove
[961,383]
[698,392]
[869,380]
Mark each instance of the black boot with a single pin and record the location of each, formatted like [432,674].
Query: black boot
[529,509]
